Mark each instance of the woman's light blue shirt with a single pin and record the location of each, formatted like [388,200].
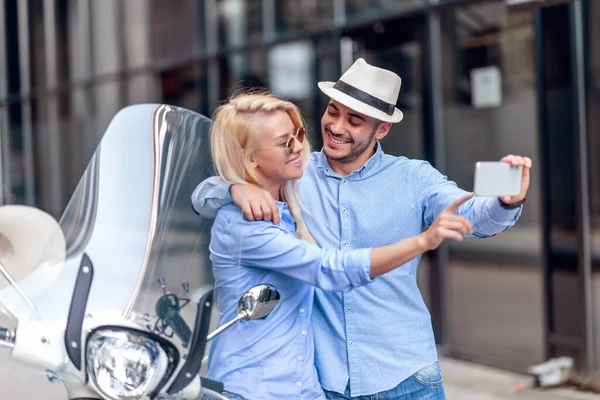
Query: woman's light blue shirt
[273,358]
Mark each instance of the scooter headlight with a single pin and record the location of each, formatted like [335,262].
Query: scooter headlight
[127,365]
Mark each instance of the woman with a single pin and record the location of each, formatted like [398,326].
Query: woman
[259,138]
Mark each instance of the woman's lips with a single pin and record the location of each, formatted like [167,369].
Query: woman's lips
[296,162]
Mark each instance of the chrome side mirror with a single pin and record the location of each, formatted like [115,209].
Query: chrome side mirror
[256,303]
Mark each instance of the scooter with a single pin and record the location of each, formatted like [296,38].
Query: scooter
[114,300]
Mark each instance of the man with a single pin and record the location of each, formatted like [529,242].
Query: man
[377,339]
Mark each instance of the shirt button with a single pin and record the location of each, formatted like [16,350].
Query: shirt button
[298,384]
[300,358]
[303,333]
[351,342]
[349,309]
[302,311]
[345,181]
[345,243]
[344,209]
[221,195]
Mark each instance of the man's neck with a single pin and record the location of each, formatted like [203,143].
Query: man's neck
[344,168]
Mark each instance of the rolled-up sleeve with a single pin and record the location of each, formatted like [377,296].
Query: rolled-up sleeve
[210,195]
[501,214]
[264,245]
[486,214]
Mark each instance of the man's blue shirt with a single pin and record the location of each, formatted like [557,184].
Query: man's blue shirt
[378,335]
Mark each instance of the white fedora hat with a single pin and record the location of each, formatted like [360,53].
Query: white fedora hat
[368,90]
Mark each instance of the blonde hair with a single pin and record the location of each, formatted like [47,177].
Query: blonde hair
[235,137]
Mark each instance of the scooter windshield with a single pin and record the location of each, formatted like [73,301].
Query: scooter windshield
[136,253]
[131,217]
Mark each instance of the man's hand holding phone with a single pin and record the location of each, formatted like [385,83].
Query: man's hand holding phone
[507,179]
[526,164]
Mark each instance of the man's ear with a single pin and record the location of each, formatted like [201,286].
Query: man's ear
[382,130]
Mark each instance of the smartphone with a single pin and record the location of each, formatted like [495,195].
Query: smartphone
[494,178]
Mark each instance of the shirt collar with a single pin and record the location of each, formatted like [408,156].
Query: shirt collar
[285,216]
[282,206]
[369,168]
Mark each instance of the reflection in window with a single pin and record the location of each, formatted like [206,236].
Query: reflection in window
[292,76]
[396,46]
[593,129]
[405,138]
[18,163]
[185,87]
[490,110]
[303,15]
[176,29]
[487,36]
[239,21]
[594,111]
[291,70]
[242,71]
[357,9]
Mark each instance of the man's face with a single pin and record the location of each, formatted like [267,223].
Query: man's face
[347,134]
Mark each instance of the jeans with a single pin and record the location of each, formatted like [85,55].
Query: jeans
[426,384]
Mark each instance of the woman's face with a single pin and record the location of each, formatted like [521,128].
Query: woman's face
[272,160]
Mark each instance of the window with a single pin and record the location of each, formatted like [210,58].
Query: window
[185,87]
[490,110]
[239,21]
[177,30]
[489,91]
[303,15]
[593,129]
[593,92]
[366,9]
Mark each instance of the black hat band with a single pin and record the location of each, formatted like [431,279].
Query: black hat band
[365,97]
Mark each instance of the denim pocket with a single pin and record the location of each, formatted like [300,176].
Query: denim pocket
[429,376]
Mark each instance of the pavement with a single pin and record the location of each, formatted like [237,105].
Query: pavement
[464,380]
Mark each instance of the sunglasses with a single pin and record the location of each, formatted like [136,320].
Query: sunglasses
[299,136]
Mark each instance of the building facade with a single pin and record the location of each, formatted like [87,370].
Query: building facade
[481,79]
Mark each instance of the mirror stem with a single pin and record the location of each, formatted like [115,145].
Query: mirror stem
[223,327]
[20,291]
